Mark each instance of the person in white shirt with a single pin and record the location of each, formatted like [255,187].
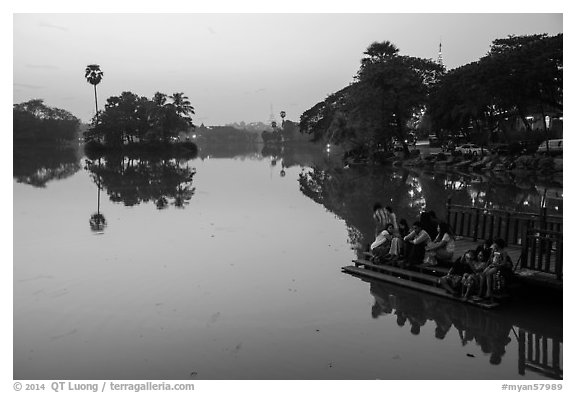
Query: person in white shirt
[380,248]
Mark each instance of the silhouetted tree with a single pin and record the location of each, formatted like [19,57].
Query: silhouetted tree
[93,75]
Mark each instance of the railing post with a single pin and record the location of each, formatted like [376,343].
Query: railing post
[543,217]
[556,357]
[476,224]
[522,352]
[524,254]
[448,212]
[533,262]
[507,233]
[559,258]
[492,227]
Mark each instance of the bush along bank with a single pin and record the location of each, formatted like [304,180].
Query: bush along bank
[494,163]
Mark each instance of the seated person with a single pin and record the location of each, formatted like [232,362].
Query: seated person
[485,247]
[415,244]
[397,244]
[443,247]
[498,261]
[452,282]
[381,246]
[471,281]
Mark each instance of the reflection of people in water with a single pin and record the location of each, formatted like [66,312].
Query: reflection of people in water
[382,304]
[489,331]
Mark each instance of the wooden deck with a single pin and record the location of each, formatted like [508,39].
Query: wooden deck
[414,280]
[525,277]
[425,278]
[464,244]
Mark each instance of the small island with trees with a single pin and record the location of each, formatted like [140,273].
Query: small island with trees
[130,122]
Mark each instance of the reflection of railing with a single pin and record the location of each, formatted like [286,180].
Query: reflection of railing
[479,223]
[539,354]
[542,252]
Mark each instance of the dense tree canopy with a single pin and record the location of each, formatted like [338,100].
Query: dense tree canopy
[389,91]
[38,124]
[392,94]
[130,118]
[520,76]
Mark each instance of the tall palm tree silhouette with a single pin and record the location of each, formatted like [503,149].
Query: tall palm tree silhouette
[94,76]
[182,105]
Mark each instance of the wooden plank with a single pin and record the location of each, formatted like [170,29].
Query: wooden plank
[399,271]
[414,285]
[436,270]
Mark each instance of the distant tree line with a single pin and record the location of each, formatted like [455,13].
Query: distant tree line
[36,124]
[288,132]
[129,118]
[392,95]
[224,134]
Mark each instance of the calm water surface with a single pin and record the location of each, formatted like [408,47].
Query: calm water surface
[227,266]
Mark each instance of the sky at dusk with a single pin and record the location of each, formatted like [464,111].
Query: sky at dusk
[235,67]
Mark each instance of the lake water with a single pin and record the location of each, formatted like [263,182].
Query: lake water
[228,266]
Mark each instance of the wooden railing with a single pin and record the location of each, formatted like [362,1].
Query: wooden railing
[542,251]
[480,223]
[539,354]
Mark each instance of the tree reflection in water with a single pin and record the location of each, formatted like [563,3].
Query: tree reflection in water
[97,220]
[134,179]
[350,193]
[39,165]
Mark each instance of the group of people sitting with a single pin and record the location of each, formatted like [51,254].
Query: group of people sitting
[427,241]
[478,273]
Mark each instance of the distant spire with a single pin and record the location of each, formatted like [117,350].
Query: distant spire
[272,117]
[440,62]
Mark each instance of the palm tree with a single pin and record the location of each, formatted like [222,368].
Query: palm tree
[282,115]
[94,76]
[159,98]
[183,106]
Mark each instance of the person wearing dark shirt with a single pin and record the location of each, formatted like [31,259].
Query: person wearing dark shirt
[415,243]
[485,247]
[429,223]
[453,280]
